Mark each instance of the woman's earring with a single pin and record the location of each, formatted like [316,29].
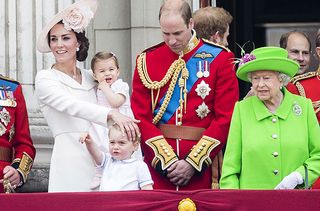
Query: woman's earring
[78,48]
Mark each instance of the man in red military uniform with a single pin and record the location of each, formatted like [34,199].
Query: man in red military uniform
[307,85]
[184,91]
[16,148]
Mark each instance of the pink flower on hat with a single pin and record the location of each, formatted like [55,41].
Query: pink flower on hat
[246,58]
[77,19]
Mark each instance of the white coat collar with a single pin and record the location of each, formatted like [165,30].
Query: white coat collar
[87,79]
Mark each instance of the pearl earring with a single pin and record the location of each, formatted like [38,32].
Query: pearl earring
[78,48]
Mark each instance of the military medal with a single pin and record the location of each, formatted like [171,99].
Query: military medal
[202,110]
[206,72]
[2,95]
[8,103]
[297,109]
[9,94]
[12,131]
[2,129]
[203,89]
[5,116]
[199,69]
[199,74]
[6,97]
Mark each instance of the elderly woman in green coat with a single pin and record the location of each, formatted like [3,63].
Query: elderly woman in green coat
[274,137]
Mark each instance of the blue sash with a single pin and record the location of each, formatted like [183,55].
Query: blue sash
[191,66]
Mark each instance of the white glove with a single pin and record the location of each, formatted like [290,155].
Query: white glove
[290,181]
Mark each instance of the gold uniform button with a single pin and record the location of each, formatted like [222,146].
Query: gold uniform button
[195,155]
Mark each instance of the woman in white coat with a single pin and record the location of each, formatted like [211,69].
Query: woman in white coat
[66,95]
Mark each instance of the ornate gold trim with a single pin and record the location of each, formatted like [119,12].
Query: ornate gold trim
[173,72]
[316,106]
[300,89]
[163,151]
[25,166]
[216,44]
[200,153]
[297,78]
[193,42]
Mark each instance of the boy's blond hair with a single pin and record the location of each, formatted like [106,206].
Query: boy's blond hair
[114,130]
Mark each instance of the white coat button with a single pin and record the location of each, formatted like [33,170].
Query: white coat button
[274,120]
[274,136]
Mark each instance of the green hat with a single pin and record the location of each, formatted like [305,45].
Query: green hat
[267,58]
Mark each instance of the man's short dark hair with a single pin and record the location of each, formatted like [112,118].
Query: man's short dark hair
[284,38]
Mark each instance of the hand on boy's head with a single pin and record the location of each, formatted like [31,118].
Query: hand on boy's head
[127,125]
[131,129]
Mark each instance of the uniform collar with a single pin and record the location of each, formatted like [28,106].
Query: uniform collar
[282,111]
[194,41]
[318,71]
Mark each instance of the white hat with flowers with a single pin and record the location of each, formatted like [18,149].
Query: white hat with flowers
[75,17]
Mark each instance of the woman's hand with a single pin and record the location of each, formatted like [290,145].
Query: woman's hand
[126,124]
[290,181]
[12,175]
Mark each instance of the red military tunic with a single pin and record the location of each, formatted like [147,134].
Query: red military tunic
[308,85]
[16,147]
[220,101]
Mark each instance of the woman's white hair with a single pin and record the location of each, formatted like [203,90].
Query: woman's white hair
[283,78]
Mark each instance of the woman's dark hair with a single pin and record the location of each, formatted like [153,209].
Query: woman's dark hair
[82,40]
[84,46]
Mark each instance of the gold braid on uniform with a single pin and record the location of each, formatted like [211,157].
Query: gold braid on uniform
[295,80]
[172,73]
[316,106]
[300,89]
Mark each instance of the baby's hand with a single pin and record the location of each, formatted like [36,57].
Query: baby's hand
[85,138]
[103,84]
